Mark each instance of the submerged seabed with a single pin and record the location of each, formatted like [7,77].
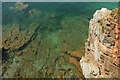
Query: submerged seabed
[44,40]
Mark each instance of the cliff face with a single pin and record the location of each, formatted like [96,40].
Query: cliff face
[102,57]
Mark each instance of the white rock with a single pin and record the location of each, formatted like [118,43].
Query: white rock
[90,63]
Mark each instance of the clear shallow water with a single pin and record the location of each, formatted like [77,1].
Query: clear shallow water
[63,29]
[61,10]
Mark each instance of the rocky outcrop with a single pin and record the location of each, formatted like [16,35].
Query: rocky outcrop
[102,56]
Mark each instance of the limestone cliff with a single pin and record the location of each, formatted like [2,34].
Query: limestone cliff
[102,56]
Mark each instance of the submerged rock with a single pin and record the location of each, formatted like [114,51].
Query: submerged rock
[35,13]
[19,6]
[102,46]
[13,45]
[16,39]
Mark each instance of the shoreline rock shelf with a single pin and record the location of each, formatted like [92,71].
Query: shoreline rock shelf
[102,47]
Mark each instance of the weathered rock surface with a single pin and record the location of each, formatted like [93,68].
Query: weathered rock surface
[102,57]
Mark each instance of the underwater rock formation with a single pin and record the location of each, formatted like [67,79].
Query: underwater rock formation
[40,57]
[102,57]
[16,39]
[13,44]
[19,6]
[35,13]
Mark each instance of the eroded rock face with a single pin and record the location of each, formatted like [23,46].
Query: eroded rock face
[102,47]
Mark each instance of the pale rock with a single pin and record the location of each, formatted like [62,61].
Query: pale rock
[98,60]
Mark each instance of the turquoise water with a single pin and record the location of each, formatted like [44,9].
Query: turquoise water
[63,28]
[61,10]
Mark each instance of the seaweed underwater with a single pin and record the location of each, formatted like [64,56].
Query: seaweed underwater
[40,41]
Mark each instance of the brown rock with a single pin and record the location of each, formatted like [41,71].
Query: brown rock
[19,53]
